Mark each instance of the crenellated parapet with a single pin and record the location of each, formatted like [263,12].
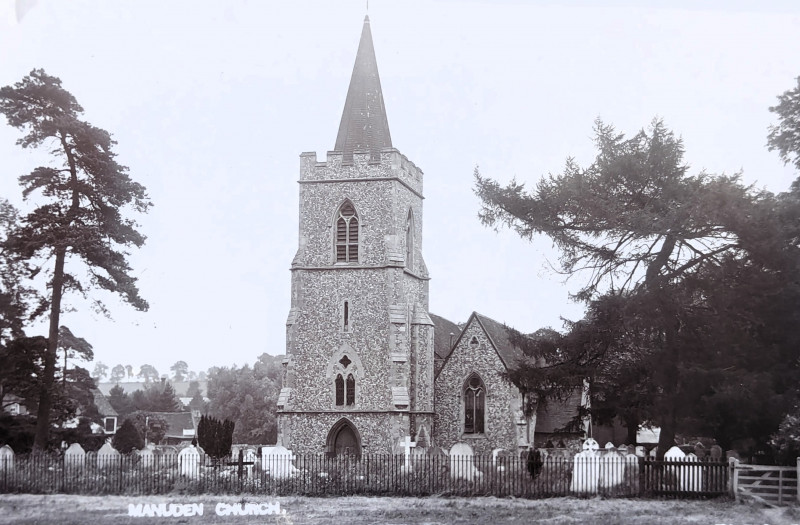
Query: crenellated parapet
[392,165]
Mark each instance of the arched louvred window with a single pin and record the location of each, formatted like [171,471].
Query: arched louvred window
[339,390]
[351,390]
[347,234]
[410,240]
[474,405]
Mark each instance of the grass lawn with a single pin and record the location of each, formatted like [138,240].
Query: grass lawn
[90,510]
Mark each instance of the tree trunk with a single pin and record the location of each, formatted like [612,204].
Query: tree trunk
[48,379]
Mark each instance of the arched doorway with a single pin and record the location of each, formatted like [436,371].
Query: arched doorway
[343,440]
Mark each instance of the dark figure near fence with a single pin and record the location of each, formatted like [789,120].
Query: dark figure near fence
[534,463]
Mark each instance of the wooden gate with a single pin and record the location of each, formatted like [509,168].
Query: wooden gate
[767,484]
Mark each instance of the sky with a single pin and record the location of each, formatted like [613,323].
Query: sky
[212,102]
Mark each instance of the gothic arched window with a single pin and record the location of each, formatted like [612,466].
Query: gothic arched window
[351,390]
[410,240]
[339,390]
[474,405]
[347,233]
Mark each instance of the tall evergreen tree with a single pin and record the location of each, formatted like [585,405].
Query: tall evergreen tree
[80,219]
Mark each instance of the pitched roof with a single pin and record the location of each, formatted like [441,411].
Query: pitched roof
[177,422]
[364,125]
[445,335]
[104,408]
[500,334]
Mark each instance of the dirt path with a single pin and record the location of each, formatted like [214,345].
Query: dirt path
[90,510]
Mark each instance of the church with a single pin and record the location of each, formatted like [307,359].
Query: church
[367,365]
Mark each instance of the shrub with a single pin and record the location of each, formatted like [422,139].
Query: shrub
[127,438]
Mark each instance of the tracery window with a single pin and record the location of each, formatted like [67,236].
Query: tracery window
[347,233]
[474,405]
[345,388]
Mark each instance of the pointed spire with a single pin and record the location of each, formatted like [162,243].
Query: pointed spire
[364,125]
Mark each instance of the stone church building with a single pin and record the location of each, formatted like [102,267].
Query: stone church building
[366,363]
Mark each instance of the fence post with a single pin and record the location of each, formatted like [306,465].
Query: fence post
[733,477]
[798,480]
[642,475]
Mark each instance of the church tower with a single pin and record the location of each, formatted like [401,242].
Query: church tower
[358,372]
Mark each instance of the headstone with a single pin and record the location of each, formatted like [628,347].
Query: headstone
[676,455]
[691,475]
[500,459]
[586,469]
[277,461]
[640,451]
[653,453]
[462,464]
[612,468]
[147,457]
[406,444]
[107,456]
[623,450]
[733,454]
[715,453]
[6,458]
[167,455]
[75,456]
[189,462]
[700,450]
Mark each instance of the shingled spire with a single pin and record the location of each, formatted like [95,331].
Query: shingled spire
[364,126]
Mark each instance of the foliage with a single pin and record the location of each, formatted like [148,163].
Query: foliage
[214,436]
[689,289]
[149,373]
[117,374]
[127,438]
[80,218]
[248,396]
[100,371]
[180,370]
[785,136]
[120,401]
[152,427]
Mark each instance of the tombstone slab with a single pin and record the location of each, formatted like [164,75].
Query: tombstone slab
[107,456]
[189,462]
[75,456]
[278,461]
[462,463]
[6,458]
[586,469]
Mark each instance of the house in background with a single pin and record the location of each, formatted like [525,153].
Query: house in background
[14,405]
[108,415]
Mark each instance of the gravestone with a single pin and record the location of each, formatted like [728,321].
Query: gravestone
[640,451]
[147,457]
[406,445]
[462,464]
[612,468]
[677,455]
[623,450]
[500,459]
[189,462]
[586,468]
[700,450]
[167,455]
[692,475]
[733,454]
[107,456]
[715,453]
[277,461]
[75,456]
[6,458]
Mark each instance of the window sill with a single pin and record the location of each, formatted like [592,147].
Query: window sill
[473,436]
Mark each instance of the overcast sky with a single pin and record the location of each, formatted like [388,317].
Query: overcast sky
[212,102]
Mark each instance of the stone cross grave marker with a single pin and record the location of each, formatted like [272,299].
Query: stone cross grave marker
[586,468]
[715,453]
[6,458]
[462,464]
[407,445]
[189,461]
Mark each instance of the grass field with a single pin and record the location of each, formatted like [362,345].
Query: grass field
[91,510]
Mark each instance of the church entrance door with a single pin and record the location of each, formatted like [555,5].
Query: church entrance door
[345,440]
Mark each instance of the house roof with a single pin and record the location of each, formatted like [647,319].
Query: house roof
[104,408]
[445,335]
[177,422]
[364,126]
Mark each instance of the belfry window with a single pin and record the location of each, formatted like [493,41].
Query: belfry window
[474,405]
[347,234]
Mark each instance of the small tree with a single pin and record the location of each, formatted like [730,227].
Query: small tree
[215,436]
[127,438]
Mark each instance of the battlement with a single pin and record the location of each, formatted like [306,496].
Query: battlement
[392,164]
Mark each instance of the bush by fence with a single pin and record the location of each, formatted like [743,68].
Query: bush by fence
[372,474]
